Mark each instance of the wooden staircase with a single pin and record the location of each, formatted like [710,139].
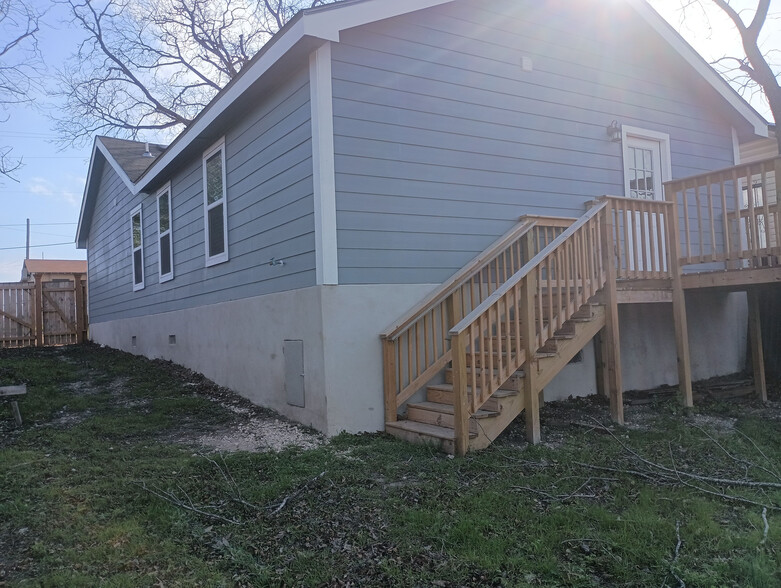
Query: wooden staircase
[433,420]
[497,333]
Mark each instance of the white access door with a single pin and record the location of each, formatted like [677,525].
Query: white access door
[646,166]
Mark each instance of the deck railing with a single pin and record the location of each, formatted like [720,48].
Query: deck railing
[417,347]
[729,216]
[640,237]
[508,328]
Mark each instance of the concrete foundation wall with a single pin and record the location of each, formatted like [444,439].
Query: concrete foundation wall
[353,317]
[717,339]
[576,379]
[237,344]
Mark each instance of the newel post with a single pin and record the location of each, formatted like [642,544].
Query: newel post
[460,400]
[390,379]
[529,325]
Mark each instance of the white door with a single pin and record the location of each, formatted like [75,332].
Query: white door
[646,166]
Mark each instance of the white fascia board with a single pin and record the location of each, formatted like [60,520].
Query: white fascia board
[274,53]
[325,24]
[328,21]
[80,226]
[98,146]
[687,52]
[117,168]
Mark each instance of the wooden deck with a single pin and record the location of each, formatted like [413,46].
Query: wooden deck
[517,313]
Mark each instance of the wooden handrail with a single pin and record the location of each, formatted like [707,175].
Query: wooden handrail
[417,347]
[526,269]
[446,289]
[506,330]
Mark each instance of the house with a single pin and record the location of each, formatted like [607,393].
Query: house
[351,177]
[52,270]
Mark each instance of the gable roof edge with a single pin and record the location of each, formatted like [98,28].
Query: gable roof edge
[702,67]
[98,149]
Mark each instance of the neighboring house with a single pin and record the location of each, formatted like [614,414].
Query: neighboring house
[371,150]
[52,270]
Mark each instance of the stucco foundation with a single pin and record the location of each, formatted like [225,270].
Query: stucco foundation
[239,344]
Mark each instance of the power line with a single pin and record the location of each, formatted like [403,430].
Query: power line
[31,246]
[38,224]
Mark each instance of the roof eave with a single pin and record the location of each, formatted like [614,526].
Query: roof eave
[755,120]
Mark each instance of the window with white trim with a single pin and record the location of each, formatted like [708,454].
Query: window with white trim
[165,251]
[215,211]
[137,243]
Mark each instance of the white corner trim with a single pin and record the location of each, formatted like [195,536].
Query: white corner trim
[324,177]
[735,147]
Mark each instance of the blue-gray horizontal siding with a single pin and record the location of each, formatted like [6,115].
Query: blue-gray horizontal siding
[442,140]
[270,215]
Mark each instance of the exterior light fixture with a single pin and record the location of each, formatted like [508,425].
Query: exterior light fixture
[614,132]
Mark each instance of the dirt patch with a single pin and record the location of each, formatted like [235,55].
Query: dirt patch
[260,434]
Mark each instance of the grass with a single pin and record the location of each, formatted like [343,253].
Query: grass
[364,510]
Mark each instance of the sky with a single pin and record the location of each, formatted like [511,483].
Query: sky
[51,183]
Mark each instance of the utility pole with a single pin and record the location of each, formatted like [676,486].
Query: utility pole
[27,250]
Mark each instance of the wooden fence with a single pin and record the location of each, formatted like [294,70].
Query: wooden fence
[43,313]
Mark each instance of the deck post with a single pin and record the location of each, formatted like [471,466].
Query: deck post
[529,325]
[755,336]
[600,353]
[610,334]
[390,382]
[679,310]
[460,400]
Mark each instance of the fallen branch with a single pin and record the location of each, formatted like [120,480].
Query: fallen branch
[678,473]
[767,526]
[277,508]
[681,583]
[172,498]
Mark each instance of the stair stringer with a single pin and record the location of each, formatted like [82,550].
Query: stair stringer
[548,366]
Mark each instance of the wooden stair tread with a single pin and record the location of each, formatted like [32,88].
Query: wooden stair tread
[425,429]
[501,393]
[449,409]
[518,373]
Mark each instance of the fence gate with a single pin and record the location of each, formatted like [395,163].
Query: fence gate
[43,313]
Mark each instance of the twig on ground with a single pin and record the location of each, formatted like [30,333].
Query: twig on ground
[744,462]
[172,498]
[762,453]
[678,473]
[557,497]
[767,526]
[277,508]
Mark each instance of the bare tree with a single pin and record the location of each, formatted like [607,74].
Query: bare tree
[759,68]
[18,66]
[152,65]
